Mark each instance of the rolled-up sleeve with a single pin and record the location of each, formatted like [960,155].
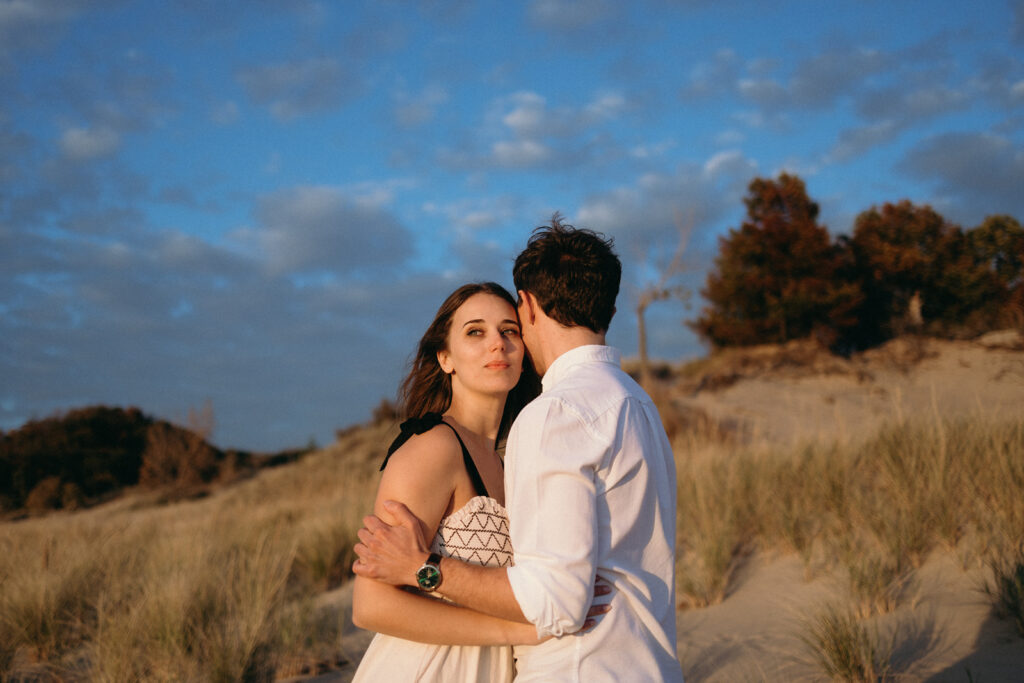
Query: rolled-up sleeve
[551,487]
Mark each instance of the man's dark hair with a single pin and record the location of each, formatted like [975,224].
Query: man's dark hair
[573,273]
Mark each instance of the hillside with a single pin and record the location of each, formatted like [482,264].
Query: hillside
[775,520]
[90,455]
[778,399]
[799,392]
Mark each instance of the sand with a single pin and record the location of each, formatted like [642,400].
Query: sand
[944,629]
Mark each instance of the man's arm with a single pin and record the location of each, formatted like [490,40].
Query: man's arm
[392,554]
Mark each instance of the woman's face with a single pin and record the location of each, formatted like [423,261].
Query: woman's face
[485,351]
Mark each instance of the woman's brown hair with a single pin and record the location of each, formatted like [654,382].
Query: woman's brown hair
[428,389]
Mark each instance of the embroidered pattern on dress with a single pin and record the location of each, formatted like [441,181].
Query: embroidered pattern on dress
[477,533]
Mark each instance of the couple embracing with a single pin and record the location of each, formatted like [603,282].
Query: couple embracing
[585,495]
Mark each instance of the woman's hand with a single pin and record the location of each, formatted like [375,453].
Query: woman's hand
[601,588]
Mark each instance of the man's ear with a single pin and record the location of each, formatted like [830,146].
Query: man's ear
[528,311]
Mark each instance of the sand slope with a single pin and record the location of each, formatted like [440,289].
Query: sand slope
[784,395]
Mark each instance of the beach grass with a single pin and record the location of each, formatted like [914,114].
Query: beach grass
[221,588]
[847,649]
[226,587]
[1005,588]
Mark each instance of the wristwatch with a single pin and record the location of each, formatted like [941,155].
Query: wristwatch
[428,577]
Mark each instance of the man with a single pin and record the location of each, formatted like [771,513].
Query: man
[590,487]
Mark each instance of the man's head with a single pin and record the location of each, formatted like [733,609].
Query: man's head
[573,274]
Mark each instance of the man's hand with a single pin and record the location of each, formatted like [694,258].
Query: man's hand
[391,554]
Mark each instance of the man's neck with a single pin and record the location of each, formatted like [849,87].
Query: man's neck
[558,339]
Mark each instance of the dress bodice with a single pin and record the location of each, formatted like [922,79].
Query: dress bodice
[477,533]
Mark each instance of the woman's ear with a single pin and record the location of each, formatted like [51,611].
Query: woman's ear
[444,359]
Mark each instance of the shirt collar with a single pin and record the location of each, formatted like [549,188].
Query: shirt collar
[593,353]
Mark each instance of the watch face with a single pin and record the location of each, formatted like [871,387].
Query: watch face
[428,577]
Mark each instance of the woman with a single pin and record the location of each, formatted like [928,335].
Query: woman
[467,383]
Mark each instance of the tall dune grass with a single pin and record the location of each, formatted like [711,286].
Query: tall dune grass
[225,588]
[846,649]
[875,508]
[218,589]
[870,511]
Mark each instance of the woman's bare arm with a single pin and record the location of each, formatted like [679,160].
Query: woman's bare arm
[424,475]
[399,613]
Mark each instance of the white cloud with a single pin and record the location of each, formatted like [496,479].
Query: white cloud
[646,213]
[529,116]
[716,77]
[570,15]
[606,105]
[416,109]
[85,144]
[652,150]
[323,228]
[520,153]
[856,141]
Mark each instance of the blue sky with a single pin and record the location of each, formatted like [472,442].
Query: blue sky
[261,204]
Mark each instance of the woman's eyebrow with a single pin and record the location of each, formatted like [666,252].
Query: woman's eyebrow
[506,321]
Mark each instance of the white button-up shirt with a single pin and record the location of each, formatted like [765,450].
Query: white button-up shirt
[590,485]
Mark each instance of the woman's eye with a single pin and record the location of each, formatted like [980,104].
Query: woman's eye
[511,332]
[474,333]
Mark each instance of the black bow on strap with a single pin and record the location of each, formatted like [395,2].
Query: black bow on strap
[414,425]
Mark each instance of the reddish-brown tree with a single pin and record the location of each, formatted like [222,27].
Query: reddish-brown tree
[778,276]
[909,256]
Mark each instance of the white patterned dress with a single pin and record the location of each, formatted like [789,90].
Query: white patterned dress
[477,533]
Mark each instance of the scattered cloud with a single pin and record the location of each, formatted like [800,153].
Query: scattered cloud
[714,78]
[299,88]
[522,131]
[417,109]
[320,228]
[86,144]
[976,174]
[25,24]
[225,113]
[269,214]
[648,213]
[820,80]
[570,15]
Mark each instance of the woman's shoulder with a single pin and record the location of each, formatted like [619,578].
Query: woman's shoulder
[437,447]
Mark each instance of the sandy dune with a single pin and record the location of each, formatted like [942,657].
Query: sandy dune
[946,630]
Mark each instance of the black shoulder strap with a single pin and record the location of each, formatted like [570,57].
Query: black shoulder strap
[474,475]
[424,424]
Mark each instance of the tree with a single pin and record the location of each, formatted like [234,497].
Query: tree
[660,291]
[997,247]
[907,254]
[778,277]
